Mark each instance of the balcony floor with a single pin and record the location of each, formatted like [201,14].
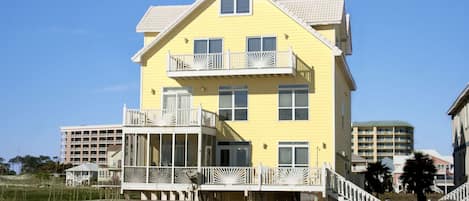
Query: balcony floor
[231,72]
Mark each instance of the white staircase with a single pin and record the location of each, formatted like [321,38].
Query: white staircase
[459,194]
[341,189]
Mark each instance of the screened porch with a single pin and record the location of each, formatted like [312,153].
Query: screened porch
[167,158]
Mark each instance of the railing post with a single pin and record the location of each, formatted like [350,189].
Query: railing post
[228,59]
[259,177]
[169,61]
[124,113]
[200,116]
[324,181]
[290,53]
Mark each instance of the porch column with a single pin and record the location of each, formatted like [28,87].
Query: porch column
[199,152]
[148,157]
[172,158]
[123,160]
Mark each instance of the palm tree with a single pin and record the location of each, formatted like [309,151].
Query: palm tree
[376,178]
[418,175]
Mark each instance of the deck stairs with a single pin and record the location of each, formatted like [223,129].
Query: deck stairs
[459,194]
[342,189]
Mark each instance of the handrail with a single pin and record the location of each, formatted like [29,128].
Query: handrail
[336,184]
[459,194]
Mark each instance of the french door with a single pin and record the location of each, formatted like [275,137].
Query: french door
[208,54]
[177,106]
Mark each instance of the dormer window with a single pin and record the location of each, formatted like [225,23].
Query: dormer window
[235,7]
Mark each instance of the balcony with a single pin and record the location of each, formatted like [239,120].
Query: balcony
[164,118]
[231,64]
[218,178]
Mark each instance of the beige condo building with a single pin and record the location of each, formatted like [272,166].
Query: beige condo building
[83,144]
[459,112]
[376,140]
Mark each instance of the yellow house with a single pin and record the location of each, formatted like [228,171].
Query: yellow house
[242,99]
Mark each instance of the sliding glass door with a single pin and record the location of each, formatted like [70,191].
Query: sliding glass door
[208,54]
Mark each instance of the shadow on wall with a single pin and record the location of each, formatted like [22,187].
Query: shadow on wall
[306,73]
[227,133]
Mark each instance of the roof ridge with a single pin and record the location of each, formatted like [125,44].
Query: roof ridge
[176,5]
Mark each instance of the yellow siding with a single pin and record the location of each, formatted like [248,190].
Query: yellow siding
[342,122]
[263,126]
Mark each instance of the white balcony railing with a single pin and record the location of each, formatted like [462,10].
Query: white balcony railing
[226,175]
[277,62]
[180,117]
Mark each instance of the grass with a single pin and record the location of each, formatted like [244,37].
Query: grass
[32,189]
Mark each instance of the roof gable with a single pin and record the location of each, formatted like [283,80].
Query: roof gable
[195,7]
[312,12]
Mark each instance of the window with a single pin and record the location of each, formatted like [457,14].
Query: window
[208,53]
[233,103]
[235,7]
[261,52]
[293,102]
[293,154]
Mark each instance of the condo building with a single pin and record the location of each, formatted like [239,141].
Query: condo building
[242,100]
[459,112]
[376,140]
[89,144]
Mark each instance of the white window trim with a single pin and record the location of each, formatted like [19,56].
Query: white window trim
[175,91]
[293,146]
[293,107]
[233,107]
[235,8]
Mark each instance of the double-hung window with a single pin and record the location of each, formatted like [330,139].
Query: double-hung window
[293,102]
[230,7]
[293,154]
[233,103]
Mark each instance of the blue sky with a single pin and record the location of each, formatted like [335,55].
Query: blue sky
[68,63]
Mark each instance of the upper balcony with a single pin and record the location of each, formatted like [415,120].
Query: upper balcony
[232,64]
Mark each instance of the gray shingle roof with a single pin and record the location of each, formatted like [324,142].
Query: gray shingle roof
[157,18]
[315,12]
[312,12]
[382,123]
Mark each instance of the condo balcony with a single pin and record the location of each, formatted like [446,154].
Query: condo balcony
[232,64]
